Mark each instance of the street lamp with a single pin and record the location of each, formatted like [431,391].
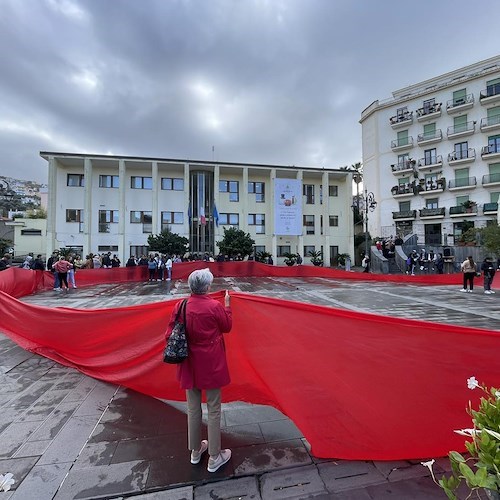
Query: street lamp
[369,206]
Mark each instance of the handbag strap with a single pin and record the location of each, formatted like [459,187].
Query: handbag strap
[182,310]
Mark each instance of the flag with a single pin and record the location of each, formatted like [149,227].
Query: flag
[190,214]
[201,200]
[216,216]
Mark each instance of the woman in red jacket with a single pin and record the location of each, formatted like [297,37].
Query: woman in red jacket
[205,368]
[62,266]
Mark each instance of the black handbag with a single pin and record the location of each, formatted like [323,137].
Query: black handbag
[176,350]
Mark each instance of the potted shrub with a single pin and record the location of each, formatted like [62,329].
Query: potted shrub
[341,259]
[480,470]
[469,205]
[290,259]
[316,257]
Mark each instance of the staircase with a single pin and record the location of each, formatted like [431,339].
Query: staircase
[393,267]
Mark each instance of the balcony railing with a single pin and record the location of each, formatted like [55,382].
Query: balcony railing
[407,142]
[462,155]
[403,119]
[490,91]
[405,214]
[402,165]
[491,178]
[402,189]
[462,182]
[490,149]
[490,122]
[432,212]
[462,101]
[461,210]
[437,185]
[429,109]
[463,129]
[490,207]
[436,136]
[430,161]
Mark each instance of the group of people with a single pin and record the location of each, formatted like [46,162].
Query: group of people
[424,261]
[471,270]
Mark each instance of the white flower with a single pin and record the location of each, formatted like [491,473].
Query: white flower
[472,383]
[6,481]
[428,464]
[468,432]
[497,394]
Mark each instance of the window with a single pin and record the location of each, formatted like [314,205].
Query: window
[282,250]
[334,251]
[430,156]
[144,218]
[141,182]
[461,199]
[459,97]
[403,160]
[168,218]
[107,217]
[139,250]
[333,220]
[75,180]
[333,190]
[107,248]
[259,221]
[308,223]
[231,187]
[74,215]
[257,188]
[321,194]
[461,150]
[402,138]
[494,143]
[401,113]
[429,131]
[404,181]
[461,177]
[259,249]
[172,184]
[404,206]
[494,197]
[31,232]
[493,87]
[431,203]
[308,249]
[459,124]
[109,181]
[229,219]
[429,106]
[308,192]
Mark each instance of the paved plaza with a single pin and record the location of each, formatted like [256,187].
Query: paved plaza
[65,435]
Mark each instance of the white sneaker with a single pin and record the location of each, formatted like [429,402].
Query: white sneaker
[214,464]
[196,454]
[491,291]
[470,291]
[464,290]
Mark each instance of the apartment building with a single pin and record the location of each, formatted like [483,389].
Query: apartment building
[99,203]
[431,155]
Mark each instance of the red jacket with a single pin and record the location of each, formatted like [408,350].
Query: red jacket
[206,365]
[63,266]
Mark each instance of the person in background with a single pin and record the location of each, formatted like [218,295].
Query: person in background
[71,272]
[5,262]
[365,263]
[96,260]
[205,368]
[469,269]
[131,261]
[38,263]
[115,261]
[439,263]
[152,267]
[50,267]
[168,267]
[106,260]
[28,262]
[61,267]
[488,269]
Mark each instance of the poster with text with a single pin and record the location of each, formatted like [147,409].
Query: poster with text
[288,207]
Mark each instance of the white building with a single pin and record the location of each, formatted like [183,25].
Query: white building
[101,203]
[431,148]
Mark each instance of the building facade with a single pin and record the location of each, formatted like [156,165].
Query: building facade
[100,203]
[431,155]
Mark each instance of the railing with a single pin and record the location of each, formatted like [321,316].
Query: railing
[428,110]
[432,212]
[464,127]
[460,209]
[453,103]
[433,160]
[462,182]
[397,143]
[462,155]
[428,137]
[405,117]
[434,185]
[489,179]
[490,121]
[490,149]
[404,165]
[490,91]
[490,207]
[401,189]
[405,214]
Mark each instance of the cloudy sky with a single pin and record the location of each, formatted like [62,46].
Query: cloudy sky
[264,81]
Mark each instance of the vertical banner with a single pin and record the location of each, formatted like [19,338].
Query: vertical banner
[288,207]
[201,200]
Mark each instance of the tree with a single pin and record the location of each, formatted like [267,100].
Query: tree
[236,241]
[490,238]
[5,245]
[168,242]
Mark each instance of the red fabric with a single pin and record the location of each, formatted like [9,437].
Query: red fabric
[206,366]
[359,386]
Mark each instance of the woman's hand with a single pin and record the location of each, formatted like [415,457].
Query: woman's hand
[227,299]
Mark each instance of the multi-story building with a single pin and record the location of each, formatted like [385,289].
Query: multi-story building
[431,155]
[101,203]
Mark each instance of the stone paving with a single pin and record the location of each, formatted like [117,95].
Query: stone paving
[65,435]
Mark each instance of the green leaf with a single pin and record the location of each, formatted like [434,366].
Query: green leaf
[481,477]
[454,455]
[468,474]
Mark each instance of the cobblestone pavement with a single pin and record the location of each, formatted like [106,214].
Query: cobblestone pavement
[65,435]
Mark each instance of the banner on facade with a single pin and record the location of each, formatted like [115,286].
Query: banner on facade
[287,207]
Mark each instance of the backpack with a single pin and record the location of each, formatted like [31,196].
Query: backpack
[408,260]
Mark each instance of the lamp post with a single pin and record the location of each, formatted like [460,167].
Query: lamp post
[369,206]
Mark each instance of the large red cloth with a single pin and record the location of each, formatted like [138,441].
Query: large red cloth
[359,386]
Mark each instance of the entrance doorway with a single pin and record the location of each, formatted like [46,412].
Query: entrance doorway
[433,234]
[201,223]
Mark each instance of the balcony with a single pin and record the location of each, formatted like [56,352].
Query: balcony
[461,211]
[491,123]
[402,120]
[405,215]
[432,213]
[457,158]
[403,167]
[490,94]
[429,112]
[403,190]
[490,209]
[462,183]
[402,144]
[424,139]
[491,180]
[490,152]
[436,186]
[430,163]
[462,104]
[463,130]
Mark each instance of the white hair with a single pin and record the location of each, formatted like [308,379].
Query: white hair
[199,281]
